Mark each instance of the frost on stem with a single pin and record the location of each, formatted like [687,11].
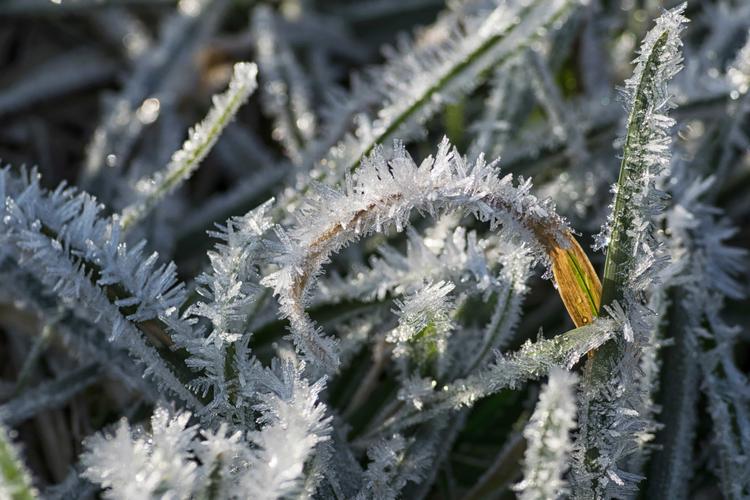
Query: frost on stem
[420,76]
[62,239]
[381,195]
[187,463]
[201,139]
[616,421]
[507,371]
[228,298]
[548,441]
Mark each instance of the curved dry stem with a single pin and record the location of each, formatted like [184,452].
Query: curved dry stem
[476,190]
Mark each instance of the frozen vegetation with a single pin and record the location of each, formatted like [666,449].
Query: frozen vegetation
[487,249]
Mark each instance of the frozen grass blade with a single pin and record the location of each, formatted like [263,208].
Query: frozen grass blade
[617,410]
[647,143]
[420,77]
[548,439]
[200,141]
[384,193]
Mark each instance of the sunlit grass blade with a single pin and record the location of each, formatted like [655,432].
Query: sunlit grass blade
[199,143]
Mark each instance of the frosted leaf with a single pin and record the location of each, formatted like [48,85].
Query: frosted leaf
[454,52]
[172,457]
[84,240]
[295,426]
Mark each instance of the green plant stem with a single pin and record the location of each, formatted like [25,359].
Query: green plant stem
[621,246]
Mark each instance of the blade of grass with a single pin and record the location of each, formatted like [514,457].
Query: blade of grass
[14,478]
[632,168]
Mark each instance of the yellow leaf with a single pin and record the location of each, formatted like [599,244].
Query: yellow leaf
[577,282]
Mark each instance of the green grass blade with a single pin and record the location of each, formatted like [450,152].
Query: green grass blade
[656,67]
[15,482]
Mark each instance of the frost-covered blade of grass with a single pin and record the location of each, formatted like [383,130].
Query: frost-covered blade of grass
[507,371]
[382,195]
[181,35]
[448,60]
[200,140]
[268,463]
[646,153]
[296,429]
[15,481]
[228,297]
[62,239]
[617,415]
[548,439]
